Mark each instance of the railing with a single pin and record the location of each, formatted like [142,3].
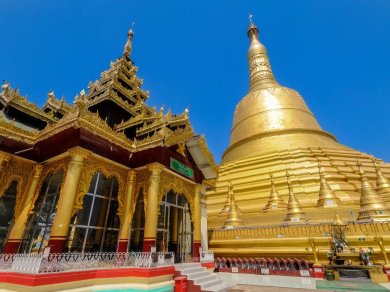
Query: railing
[62,262]
[207,257]
[309,230]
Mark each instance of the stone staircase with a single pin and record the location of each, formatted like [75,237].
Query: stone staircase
[200,279]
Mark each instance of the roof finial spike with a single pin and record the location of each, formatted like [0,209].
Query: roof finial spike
[128,46]
[250,16]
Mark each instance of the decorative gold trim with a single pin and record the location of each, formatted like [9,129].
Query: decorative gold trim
[93,165]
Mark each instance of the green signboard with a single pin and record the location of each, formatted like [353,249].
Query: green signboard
[181,168]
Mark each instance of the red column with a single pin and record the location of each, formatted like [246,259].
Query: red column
[148,244]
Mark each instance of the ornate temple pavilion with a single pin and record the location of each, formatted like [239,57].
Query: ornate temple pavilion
[282,179]
[108,173]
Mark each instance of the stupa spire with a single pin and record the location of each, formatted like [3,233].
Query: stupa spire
[294,210]
[275,202]
[382,183]
[372,206]
[271,114]
[234,215]
[129,43]
[327,197]
[261,75]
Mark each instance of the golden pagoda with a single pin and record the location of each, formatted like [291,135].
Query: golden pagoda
[275,132]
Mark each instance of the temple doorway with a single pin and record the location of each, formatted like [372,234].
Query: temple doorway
[174,227]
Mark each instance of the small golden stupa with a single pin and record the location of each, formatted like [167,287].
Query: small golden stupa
[382,183]
[234,214]
[372,206]
[294,209]
[275,201]
[327,197]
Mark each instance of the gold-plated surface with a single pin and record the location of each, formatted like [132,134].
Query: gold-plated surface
[271,116]
[274,132]
[295,213]
[372,206]
[337,220]
[275,202]
[327,197]
[382,183]
[233,219]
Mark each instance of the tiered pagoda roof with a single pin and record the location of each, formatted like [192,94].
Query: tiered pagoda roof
[114,109]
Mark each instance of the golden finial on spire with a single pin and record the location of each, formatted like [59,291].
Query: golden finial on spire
[261,75]
[129,46]
[275,202]
[250,15]
[382,183]
[295,213]
[372,206]
[327,197]
[233,217]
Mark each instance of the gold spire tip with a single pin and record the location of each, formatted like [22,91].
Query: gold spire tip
[129,46]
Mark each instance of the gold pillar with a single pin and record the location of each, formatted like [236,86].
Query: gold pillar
[19,225]
[383,250]
[66,201]
[4,159]
[313,249]
[124,232]
[151,217]
[174,225]
[197,222]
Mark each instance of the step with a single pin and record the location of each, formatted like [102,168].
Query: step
[211,283]
[204,279]
[182,267]
[193,270]
[219,288]
[194,276]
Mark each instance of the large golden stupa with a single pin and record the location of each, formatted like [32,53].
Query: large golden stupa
[290,177]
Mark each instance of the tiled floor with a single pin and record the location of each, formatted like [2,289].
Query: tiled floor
[251,283]
[253,288]
[268,281]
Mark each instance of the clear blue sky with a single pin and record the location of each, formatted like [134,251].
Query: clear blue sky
[193,53]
